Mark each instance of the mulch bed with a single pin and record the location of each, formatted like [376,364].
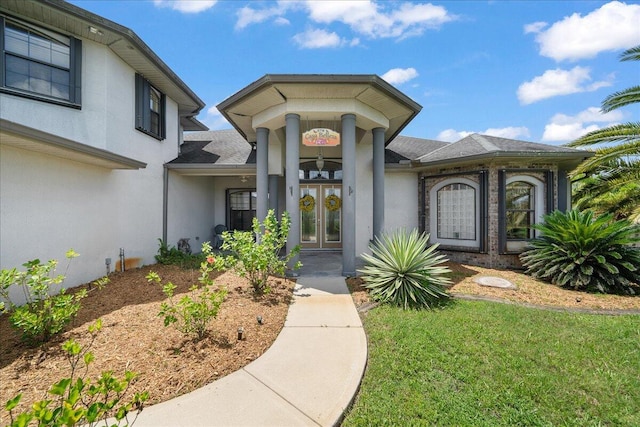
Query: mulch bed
[134,338]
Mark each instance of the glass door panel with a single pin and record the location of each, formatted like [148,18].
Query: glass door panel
[320,216]
[309,216]
[332,203]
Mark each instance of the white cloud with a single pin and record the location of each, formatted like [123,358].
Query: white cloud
[374,21]
[558,82]
[400,75]
[535,27]
[511,132]
[452,135]
[564,128]
[248,16]
[315,39]
[367,18]
[214,120]
[611,27]
[186,6]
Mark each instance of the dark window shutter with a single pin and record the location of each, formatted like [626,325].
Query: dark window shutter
[502,211]
[163,122]
[76,71]
[139,102]
[549,177]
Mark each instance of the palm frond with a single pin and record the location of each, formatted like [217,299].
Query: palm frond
[623,132]
[620,99]
[606,157]
[632,54]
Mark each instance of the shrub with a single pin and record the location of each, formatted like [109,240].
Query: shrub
[192,313]
[256,254]
[44,315]
[404,270]
[77,400]
[173,256]
[577,250]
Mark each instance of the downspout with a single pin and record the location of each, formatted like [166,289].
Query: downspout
[165,202]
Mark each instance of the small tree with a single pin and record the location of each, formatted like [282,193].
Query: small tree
[256,254]
[77,400]
[44,315]
[192,313]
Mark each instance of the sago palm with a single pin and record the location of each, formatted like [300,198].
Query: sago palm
[577,250]
[404,270]
[616,164]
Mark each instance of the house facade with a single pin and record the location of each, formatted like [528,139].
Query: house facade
[100,151]
[477,197]
[89,115]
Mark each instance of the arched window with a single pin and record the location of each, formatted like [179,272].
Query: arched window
[454,213]
[523,207]
[329,170]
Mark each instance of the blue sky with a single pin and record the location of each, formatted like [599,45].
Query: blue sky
[531,70]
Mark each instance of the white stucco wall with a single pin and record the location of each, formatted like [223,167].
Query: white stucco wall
[50,204]
[401,201]
[364,197]
[191,204]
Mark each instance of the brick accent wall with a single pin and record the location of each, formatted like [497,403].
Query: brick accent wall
[493,256]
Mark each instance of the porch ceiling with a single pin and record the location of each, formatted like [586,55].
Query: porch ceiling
[319,98]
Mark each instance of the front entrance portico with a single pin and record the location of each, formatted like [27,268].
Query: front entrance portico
[367,112]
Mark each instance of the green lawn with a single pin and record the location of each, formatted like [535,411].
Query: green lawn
[490,364]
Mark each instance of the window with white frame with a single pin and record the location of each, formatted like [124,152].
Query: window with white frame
[524,207]
[454,212]
[39,63]
[520,210]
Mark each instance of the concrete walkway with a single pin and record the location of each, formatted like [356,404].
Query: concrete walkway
[308,377]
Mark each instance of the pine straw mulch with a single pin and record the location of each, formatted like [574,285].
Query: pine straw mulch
[134,338]
[530,292]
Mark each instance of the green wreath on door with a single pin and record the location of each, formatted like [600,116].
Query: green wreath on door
[307,203]
[332,203]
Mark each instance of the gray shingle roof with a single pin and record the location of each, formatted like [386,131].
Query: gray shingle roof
[476,145]
[220,147]
[228,147]
[406,147]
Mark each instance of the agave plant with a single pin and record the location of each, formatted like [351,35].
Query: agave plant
[404,270]
[579,251]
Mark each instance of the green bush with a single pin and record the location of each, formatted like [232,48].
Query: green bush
[256,254]
[192,313]
[173,256]
[77,400]
[44,315]
[577,250]
[404,270]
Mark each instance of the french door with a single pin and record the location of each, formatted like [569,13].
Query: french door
[320,216]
